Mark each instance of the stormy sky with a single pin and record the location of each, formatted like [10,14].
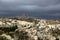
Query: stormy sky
[38,8]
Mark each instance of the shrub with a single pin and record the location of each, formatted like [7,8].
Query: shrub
[8,29]
[3,38]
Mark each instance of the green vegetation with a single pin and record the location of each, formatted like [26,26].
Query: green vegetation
[8,29]
[23,36]
[3,38]
[56,32]
[1,32]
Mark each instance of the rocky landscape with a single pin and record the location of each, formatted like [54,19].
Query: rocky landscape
[29,29]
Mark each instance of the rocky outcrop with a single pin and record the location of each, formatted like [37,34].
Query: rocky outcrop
[40,30]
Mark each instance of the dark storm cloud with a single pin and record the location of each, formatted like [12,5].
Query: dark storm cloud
[43,7]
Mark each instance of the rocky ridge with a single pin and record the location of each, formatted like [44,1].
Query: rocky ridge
[31,29]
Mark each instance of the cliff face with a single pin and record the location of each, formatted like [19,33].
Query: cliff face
[38,29]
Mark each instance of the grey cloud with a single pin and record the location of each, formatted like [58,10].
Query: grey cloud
[43,7]
[40,4]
